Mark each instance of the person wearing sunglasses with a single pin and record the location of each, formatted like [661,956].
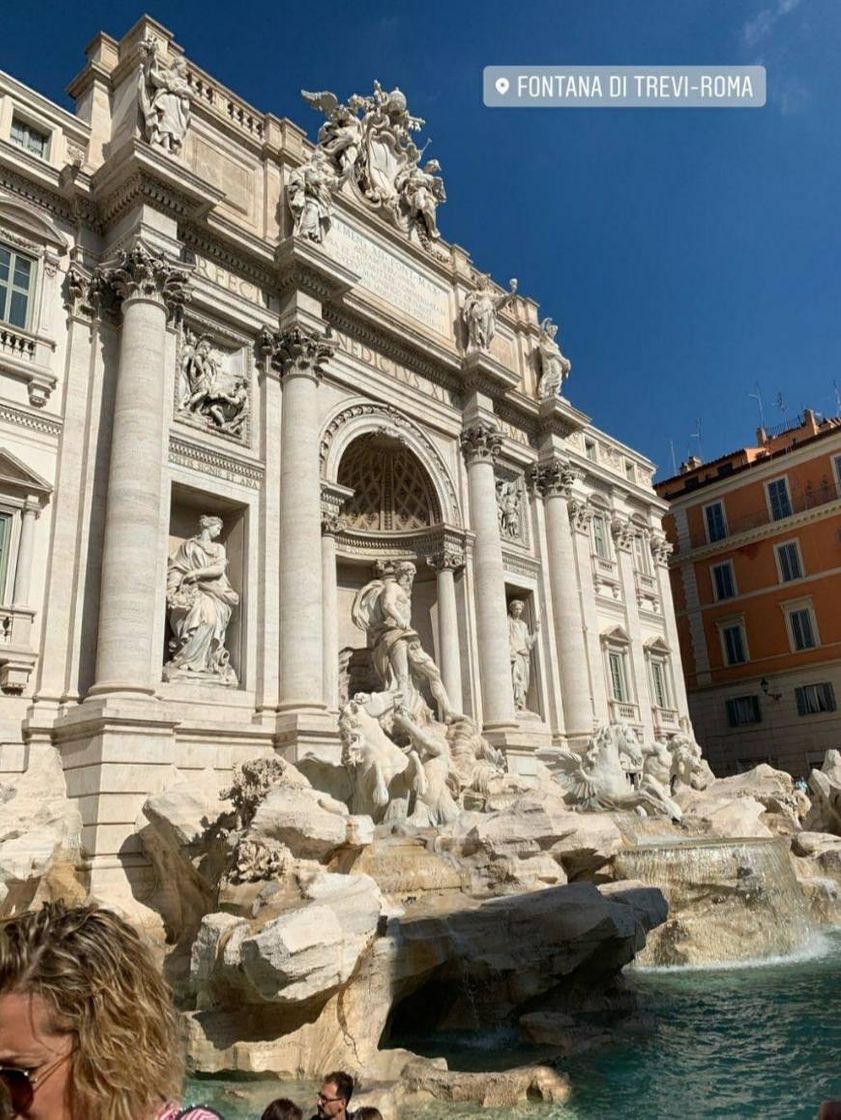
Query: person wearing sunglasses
[334,1097]
[88,1030]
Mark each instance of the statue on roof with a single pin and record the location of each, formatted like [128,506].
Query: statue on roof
[552,366]
[479,311]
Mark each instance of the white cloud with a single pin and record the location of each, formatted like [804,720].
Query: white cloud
[762,24]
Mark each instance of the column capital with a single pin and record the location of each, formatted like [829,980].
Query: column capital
[448,558]
[143,272]
[296,352]
[580,514]
[623,532]
[661,549]
[332,523]
[554,478]
[480,442]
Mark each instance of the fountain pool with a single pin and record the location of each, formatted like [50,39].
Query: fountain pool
[735,1043]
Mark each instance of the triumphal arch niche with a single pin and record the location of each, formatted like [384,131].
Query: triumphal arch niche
[274,404]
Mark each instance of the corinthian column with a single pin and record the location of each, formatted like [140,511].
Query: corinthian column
[150,287]
[301,356]
[555,480]
[480,444]
[331,526]
[445,563]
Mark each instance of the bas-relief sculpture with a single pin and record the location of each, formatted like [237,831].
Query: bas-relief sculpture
[553,368]
[208,394]
[520,645]
[165,99]
[368,144]
[200,601]
[479,311]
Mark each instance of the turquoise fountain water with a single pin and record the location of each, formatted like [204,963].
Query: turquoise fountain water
[740,1043]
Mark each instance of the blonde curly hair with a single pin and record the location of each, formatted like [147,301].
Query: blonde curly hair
[102,986]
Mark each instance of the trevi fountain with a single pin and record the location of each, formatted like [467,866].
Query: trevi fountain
[362,694]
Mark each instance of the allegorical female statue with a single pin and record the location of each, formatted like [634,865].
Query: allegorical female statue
[520,644]
[165,99]
[200,601]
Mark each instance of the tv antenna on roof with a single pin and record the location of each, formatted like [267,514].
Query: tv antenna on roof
[781,403]
[674,461]
[757,396]
[837,398]
[697,435]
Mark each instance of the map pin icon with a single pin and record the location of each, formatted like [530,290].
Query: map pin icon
[502,85]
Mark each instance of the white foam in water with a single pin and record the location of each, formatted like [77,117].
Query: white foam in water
[818,945]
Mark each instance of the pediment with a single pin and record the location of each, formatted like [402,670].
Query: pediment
[656,645]
[27,224]
[617,635]
[18,477]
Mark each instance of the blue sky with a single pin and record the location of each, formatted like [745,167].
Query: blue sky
[687,254]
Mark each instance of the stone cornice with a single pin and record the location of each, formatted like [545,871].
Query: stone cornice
[48,425]
[209,244]
[185,453]
[761,532]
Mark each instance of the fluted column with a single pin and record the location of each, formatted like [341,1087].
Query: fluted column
[331,526]
[150,287]
[555,480]
[446,563]
[661,550]
[26,552]
[623,538]
[480,444]
[300,355]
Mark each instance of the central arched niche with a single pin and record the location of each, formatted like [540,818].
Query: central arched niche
[393,497]
[392,491]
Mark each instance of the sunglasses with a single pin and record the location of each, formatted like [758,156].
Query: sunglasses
[21,1084]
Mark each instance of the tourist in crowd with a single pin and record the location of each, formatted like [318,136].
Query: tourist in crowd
[830,1110]
[334,1097]
[88,1030]
[367,1113]
[282,1109]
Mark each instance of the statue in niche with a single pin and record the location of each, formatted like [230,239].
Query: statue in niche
[165,99]
[421,189]
[383,609]
[200,601]
[509,495]
[208,394]
[520,644]
[310,195]
[479,311]
[553,367]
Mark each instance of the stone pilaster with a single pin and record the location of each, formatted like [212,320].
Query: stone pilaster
[300,355]
[331,525]
[555,480]
[480,443]
[580,520]
[661,550]
[446,563]
[623,538]
[150,288]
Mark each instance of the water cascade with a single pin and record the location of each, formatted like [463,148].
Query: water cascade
[729,900]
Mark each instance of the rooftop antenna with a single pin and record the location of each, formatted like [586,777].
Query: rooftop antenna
[674,461]
[781,404]
[837,398]
[757,396]
[697,435]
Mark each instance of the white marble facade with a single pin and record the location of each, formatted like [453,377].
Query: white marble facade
[188,374]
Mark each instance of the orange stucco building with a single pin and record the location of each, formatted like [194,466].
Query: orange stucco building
[756,579]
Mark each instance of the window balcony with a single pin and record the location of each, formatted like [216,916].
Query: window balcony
[17,658]
[812,496]
[623,712]
[28,357]
[666,720]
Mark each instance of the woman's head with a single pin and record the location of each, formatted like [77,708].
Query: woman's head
[282,1109]
[85,1017]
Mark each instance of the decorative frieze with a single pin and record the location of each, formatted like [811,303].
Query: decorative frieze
[198,458]
[212,389]
[481,442]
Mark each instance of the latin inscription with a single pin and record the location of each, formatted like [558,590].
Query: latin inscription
[405,376]
[385,275]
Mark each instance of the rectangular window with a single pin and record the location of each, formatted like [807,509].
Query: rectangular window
[734,644]
[600,538]
[814,698]
[16,275]
[630,473]
[618,687]
[788,561]
[658,681]
[29,138]
[590,449]
[742,710]
[642,554]
[778,499]
[5,545]
[716,527]
[802,629]
[837,462]
[724,585]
